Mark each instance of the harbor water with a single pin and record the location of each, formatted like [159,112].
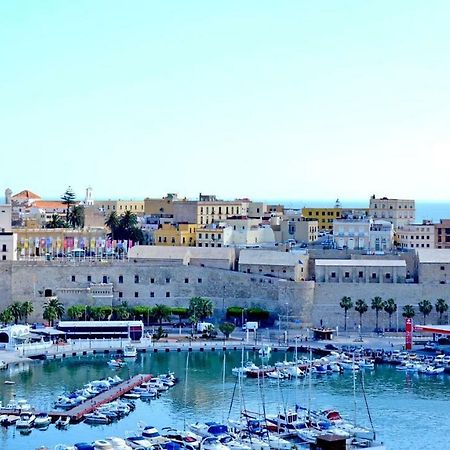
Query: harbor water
[409,411]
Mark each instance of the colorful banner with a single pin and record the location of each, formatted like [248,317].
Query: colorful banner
[408,334]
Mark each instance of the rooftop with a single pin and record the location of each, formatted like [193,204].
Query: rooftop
[270,257]
[433,255]
[361,262]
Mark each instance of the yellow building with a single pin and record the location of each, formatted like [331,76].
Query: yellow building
[324,216]
[120,206]
[161,206]
[182,234]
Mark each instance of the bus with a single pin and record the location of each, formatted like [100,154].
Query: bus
[102,329]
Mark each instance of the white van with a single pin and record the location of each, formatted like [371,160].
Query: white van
[250,326]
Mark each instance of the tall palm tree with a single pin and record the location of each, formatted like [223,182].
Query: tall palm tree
[76,216]
[53,310]
[161,312]
[425,307]
[361,307]
[377,305]
[112,222]
[346,303]
[16,311]
[441,307]
[390,307]
[55,222]
[408,312]
[27,309]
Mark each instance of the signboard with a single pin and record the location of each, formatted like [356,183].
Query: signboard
[408,334]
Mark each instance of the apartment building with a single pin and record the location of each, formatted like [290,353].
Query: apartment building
[210,210]
[8,239]
[120,206]
[294,226]
[399,212]
[181,234]
[442,234]
[353,234]
[417,235]
[324,216]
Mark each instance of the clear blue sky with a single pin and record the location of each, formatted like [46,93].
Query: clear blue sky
[287,99]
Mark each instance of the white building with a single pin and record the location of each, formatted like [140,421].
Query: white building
[8,239]
[397,211]
[416,235]
[353,234]
[381,236]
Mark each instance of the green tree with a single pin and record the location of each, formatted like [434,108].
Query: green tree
[161,312]
[16,311]
[27,309]
[76,312]
[346,304]
[53,310]
[76,216]
[55,222]
[390,307]
[408,312]
[144,312]
[441,307]
[361,308]
[68,198]
[257,314]
[236,312]
[425,307]
[122,313]
[182,313]
[378,305]
[6,316]
[200,308]
[226,328]
[112,222]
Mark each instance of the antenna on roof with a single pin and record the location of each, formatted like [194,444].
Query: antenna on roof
[337,204]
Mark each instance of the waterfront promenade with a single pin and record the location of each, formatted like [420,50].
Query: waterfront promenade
[174,343]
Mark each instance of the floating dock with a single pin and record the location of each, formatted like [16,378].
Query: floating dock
[78,412]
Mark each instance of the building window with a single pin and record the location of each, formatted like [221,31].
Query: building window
[136,279]
[333,274]
[4,248]
[374,275]
[360,274]
[73,277]
[167,294]
[347,275]
[105,279]
[442,267]
[120,279]
[152,294]
[186,280]
[152,280]
[120,294]
[388,276]
[167,280]
[89,278]
[199,280]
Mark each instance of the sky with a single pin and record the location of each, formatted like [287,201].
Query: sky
[260,99]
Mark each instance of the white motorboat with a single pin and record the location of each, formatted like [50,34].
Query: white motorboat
[249,365]
[153,436]
[26,420]
[254,442]
[118,443]
[116,363]
[265,351]
[96,417]
[276,374]
[206,429]
[232,443]
[129,351]
[431,370]
[42,420]
[62,422]
[139,442]
[102,444]
[212,443]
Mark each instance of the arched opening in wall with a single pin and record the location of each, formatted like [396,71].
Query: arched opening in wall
[4,338]
[48,293]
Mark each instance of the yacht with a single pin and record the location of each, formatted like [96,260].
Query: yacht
[42,420]
[129,351]
[26,420]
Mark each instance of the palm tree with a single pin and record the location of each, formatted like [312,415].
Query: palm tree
[16,311]
[112,222]
[425,307]
[441,307]
[200,308]
[55,222]
[408,311]
[27,309]
[68,198]
[377,305]
[361,307]
[346,303]
[6,316]
[53,309]
[390,307]
[161,312]
[76,216]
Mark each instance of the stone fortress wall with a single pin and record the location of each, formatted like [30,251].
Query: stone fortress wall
[174,285]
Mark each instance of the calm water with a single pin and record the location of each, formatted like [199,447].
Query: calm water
[409,411]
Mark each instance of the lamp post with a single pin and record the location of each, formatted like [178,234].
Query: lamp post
[287,321]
